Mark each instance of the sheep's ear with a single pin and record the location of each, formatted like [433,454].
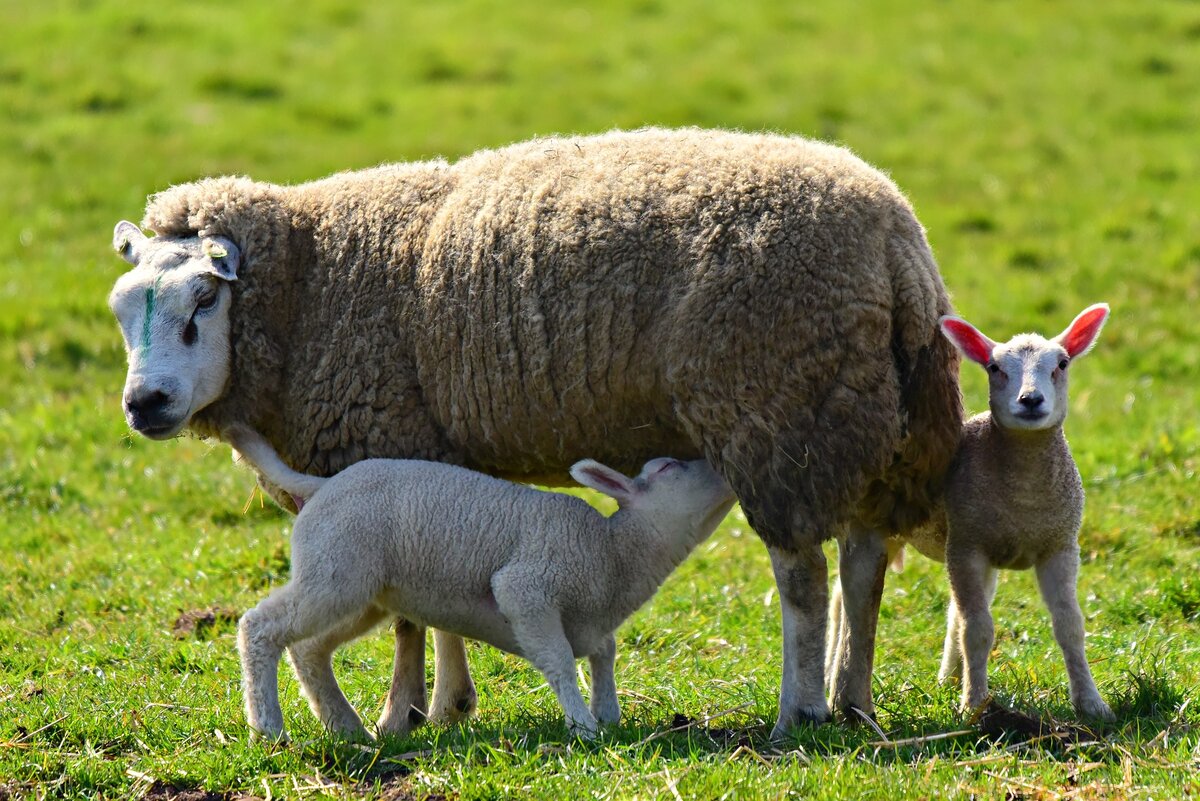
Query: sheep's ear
[968,339]
[1082,332]
[223,256]
[128,240]
[604,479]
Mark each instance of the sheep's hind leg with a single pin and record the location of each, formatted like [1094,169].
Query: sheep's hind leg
[1057,578]
[863,558]
[312,661]
[404,708]
[286,616]
[605,706]
[802,577]
[454,696]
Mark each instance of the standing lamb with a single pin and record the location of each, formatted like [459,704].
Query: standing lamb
[539,574]
[767,303]
[1014,500]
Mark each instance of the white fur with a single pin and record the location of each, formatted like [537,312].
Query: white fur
[538,574]
[178,349]
[1014,499]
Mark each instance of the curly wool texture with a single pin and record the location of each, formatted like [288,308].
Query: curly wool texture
[769,303]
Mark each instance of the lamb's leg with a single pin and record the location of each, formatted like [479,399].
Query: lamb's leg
[404,708]
[952,657]
[454,696]
[971,582]
[1057,578]
[802,578]
[605,706]
[863,559]
[286,616]
[951,668]
[539,632]
[312,661]
[835,630]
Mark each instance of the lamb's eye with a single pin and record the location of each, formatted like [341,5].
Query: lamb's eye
[1063,364]
[994,368]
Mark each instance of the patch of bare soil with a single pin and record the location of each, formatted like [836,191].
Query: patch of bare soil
[202,623]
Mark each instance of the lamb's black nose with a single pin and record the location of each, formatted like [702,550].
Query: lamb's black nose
[1031,400]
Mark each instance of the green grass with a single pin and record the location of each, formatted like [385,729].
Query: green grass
[1050,149]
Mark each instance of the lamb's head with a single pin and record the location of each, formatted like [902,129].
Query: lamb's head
[685,497]
[1028,374]
[173,308]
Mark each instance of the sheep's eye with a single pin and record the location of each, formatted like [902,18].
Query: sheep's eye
[206,301]
[1063,364]
[993,368]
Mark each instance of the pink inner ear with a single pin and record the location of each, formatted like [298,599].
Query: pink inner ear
[1083,331]
[606,480]
[974,345]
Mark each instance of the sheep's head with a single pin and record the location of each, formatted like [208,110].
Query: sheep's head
[1028,374]
[173,308]
[682,497]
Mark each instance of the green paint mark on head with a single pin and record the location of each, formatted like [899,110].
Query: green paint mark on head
[151,293]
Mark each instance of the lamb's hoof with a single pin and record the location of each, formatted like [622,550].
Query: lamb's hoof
[354,734]
[1096,709]
[813,715]
[269,735]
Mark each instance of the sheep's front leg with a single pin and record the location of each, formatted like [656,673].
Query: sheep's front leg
[454,696]
[602,664]
[802,578]
[313,662]
[1057,578]
[404,708]
[970,577]
[863,559]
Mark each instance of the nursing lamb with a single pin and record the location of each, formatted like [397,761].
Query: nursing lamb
[539,574]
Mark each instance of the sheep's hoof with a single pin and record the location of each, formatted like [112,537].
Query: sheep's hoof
[453,711]
[809,716]
[854,715]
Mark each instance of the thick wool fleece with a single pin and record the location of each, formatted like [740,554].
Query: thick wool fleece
[767,302]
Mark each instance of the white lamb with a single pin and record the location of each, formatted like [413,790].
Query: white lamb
[539,574]
[1013,499]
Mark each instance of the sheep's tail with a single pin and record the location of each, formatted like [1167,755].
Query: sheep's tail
[930,399]
[255,449]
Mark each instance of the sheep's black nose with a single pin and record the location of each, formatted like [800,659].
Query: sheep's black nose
[1031,400]
[145,409]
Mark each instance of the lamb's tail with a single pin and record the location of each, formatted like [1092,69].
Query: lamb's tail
[255,449]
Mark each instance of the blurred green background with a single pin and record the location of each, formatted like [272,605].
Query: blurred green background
[1052,149]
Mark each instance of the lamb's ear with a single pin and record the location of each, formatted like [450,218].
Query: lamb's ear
[1082,332]
[224,256]
[128,240]
[968,339]
[591,473]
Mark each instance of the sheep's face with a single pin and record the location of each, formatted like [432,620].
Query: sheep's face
[685,497]
[1027,376]
[173,309]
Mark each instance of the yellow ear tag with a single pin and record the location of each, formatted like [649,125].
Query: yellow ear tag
[214,251]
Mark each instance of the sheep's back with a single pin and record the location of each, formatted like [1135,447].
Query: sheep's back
[591,296]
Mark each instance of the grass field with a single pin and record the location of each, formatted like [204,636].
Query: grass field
[1053,152]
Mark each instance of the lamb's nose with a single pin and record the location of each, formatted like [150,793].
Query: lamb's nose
[1031,400]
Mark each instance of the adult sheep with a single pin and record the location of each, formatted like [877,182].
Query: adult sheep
[766,302]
